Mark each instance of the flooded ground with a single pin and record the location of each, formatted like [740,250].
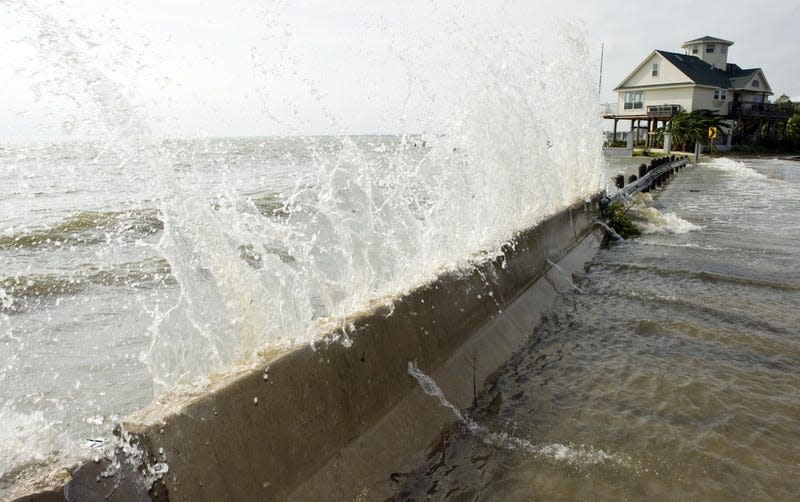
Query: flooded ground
[674,374]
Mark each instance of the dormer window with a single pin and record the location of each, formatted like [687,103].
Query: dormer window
[710,48]
[655,69]
[756,83]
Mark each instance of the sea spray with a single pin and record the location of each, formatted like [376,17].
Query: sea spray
[496,130]
[498,153]
[127,454]
[27,439]
[193,240]
[479,169]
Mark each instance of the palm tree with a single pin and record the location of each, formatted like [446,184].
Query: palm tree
[688,128]
[793,129]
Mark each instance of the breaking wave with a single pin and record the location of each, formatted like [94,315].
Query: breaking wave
[735,168]
[654,221]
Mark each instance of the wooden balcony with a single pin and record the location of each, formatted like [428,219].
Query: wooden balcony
[747,109]
[663,112]
[609,110]
[640,112]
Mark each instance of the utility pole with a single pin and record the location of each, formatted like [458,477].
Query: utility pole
[600,84]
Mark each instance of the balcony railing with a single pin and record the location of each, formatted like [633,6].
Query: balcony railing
[743,109]
[609,109]
[663,111]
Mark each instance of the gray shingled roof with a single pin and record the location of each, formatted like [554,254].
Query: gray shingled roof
[707,38]
[702,73]
[739,77]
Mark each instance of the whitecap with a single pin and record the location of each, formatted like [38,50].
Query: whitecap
[735,168]
[653,221]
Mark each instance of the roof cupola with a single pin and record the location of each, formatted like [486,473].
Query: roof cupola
[712,50]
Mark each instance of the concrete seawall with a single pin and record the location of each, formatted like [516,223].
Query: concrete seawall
[336,423]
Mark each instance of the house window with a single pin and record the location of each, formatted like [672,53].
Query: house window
[695,48]
[723,49]
[710,48]
[756,83]
[721,94]
[634,100]
[655,69]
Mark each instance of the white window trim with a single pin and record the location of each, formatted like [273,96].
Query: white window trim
[630,100]
[656,69]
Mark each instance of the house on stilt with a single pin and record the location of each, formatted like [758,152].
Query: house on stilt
[700,77]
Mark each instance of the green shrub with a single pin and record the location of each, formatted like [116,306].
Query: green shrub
[621,223]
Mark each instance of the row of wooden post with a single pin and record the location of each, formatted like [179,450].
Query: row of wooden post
[644,169]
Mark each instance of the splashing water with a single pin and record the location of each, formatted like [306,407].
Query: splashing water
[360,227]
[577,455]
[252,245]
[652,220]
[430,388]
[655,221]
[27,438]
[734,168]
[563,275]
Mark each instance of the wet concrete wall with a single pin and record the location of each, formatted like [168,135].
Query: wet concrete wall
[331,422]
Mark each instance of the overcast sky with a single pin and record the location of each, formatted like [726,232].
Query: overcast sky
[202,68]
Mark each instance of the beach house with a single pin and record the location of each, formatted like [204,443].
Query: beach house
[700,77]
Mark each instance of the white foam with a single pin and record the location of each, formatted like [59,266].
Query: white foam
[574,455]
[735,168]
[26,438]
[653,221]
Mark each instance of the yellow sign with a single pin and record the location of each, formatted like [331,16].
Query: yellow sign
[712,133]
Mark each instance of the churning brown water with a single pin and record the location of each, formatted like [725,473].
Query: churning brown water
[673,374]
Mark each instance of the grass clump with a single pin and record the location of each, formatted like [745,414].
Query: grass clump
[621,223]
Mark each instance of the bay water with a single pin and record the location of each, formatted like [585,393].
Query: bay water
[120,280]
